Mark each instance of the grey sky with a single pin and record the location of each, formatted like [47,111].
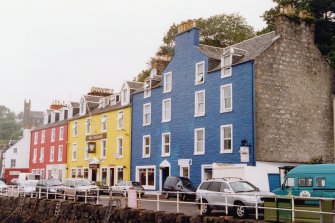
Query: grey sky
[59,49]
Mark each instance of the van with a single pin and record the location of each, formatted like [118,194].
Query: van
[314,180]
[28,177]
[183,185]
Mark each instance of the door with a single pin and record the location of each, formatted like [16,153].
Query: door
[165,174]
[94,175]
[274,181]
[111,177]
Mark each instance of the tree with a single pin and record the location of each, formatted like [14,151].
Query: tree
[10,127]
[324,14]
[219,31]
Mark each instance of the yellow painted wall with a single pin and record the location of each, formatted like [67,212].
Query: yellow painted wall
[112,134]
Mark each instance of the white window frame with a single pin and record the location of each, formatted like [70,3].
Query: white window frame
[144,155]
[181,171]
[164,110]
[35,138]
[88,126]
[119,148]
[228,66]
[147,89]
[103,148]
[223,108]
[167,88]
[164,154]
[222,150]
[145,123]
[12,163]
[196,152]
[35,155]
[74,152]
[53,134]
[125,96]
[196,103]
[60,153]
[146,187]
[61,133]
[117,173]
[120,120]
[52,154]
[42,154]
[104,123]
[197,73]
[75,129]
[43,136]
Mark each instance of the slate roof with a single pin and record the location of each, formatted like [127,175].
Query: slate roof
[50,125]
[135,85]
[75,104]
[253,47]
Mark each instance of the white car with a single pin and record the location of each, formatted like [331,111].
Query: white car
[80,187]
[123,186]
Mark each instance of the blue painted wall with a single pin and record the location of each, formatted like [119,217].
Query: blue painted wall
[183,122]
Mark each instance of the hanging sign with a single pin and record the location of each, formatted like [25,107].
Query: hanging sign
[244,154]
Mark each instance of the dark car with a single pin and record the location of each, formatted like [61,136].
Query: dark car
[54,187]
[183,185]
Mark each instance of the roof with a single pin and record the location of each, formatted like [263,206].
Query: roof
[313,169]
[253,47]
[50,125]
[135,85]
[92,98]
[75,104]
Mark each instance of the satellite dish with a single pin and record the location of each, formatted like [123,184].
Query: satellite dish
[153,72]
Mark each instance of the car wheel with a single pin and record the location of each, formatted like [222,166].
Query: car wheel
[205,208]
[166,195]
[240,211]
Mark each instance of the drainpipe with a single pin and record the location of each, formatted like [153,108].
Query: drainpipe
[253,114]
[334,127]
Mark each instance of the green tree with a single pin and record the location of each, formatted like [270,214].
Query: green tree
[219,31]
[10,127]
[324,14]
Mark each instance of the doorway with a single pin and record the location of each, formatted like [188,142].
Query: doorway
[94,175]
[111,177]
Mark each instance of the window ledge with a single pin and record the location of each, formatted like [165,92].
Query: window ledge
[226,111]
[198,154]
[227,151]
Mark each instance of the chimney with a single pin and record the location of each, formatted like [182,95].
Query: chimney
[97,91]
[56,105]
[188,36]
[293,24]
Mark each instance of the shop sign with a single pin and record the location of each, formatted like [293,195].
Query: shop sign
[93,166]
[96,137]
[91,147]
[244,153]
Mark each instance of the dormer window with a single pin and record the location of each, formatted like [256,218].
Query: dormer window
[226,65]
[167,82]
[124,96]
[147,89]
[88,126]
[200,73]
[82,107]
[45,121]
[53,117]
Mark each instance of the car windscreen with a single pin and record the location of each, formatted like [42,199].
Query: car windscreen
[242,186]
[187,183]
[2,183]
[33,177]
[53,182]
[83,182]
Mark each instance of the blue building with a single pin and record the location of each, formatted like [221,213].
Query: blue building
[198,112]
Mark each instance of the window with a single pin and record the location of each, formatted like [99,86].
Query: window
[146,176]
[103,148]
[124,96]
[167,82]
[166,110]
[226,63]
[215,186]
[147,91]
[12,163]
[224,186]
[42,155]
[35,138]
[199,141]
[104,176]
[74,152]
[305,182]
[147,114]
[185,171]
[119,150]
[200,73]
[86,151]
[86,173]
[104,123]
[75,129]
[199,105]
[15,150]
[166,144]
[53,133]
[289,182]
[120,123]
[60,153]
[146,146]
[73,173]
[320,181]
[42,174]
[226,139]
[52,153]
[88,126]
[226,98]
[35,155]
[61,133]
[43,136]
[119,174]
[205,185]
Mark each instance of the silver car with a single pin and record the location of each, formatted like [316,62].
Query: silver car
[123,186]
[214,194]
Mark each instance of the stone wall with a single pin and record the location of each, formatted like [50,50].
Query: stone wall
[294,87]
[32,210]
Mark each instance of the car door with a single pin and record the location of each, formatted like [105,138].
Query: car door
[226,192]
[214,193]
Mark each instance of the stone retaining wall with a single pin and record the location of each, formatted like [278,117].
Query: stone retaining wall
[31,210]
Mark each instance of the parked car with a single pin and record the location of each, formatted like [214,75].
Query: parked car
[78,187]
[123,186]
[238,192]
[3,186]
[28,187]
[53,186]
[173,184]
[14,181]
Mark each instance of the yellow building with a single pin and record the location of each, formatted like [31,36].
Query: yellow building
[99,137]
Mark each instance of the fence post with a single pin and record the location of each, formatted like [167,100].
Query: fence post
[47,193]
[177,201]
[157,200]
[139,200]
[292,201]
[200,204]
[256,207]
[226,198]
[98,190]
[85,196]
[39,192]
